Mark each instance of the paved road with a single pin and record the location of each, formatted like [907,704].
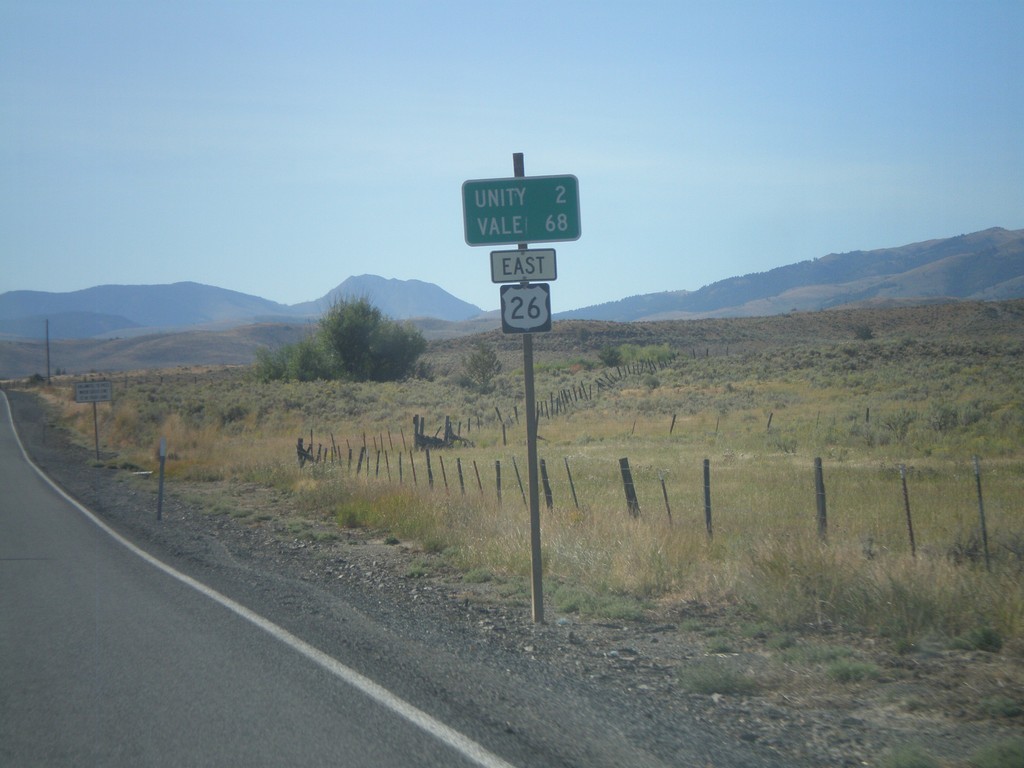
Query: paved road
[106,659]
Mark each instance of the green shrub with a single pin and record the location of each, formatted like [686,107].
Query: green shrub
[852,671]
[1004,754]
[979,639]
[354,341]
[709,676]
[481,366]
[909,756]
[1001,706]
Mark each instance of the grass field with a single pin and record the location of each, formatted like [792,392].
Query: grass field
[868,392]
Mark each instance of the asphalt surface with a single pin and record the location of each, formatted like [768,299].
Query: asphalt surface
[108,660]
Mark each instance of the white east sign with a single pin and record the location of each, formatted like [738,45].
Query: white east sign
[518,266]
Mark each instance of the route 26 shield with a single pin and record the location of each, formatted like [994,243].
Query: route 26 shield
[526,308]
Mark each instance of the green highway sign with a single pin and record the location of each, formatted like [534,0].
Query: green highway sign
[530,209]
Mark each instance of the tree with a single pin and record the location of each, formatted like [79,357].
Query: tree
[482,365]
[610,356]
[347,331]
[353,341]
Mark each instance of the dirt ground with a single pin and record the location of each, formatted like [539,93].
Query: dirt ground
[709,665]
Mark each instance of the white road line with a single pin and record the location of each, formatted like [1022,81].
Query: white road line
[416,716]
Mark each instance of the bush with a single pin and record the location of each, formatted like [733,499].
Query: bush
[910,756]
[851,671]
[1004,754]
[610,356]
[979,639]
[354,342]
[482,365]
[863,332]
[709,676]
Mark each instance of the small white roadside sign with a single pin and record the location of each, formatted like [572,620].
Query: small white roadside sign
[518,266]
[93,392]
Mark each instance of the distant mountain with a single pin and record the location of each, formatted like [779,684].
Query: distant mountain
[984,322]
[80,324]
[131,310]
[398,299]
[123,310]
[987,265]
[984,265]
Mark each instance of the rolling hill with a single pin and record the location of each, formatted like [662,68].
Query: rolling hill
[124,327]
[399,299]
[980,266]
[133,310]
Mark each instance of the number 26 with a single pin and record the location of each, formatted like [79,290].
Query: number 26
[532,308]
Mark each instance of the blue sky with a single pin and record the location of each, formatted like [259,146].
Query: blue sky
[278,148]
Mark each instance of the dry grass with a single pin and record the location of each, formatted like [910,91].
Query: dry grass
[864,409]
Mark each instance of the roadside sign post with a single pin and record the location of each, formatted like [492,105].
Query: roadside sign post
[522,210]
[94,392]
[536,564]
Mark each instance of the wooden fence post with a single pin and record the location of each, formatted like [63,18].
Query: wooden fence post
[819,492]
[981,513]
[497,477]
[664,492]
[632,503]
[572,485]
[444,475]
[519,480]
[707,497]
[430,469]
[906,506]
[547,486]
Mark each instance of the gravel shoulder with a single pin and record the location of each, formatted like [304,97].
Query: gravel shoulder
[689,685]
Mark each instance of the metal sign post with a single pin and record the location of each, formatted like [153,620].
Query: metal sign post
[536,563]
[160,492]
[94,392]
[523,210]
